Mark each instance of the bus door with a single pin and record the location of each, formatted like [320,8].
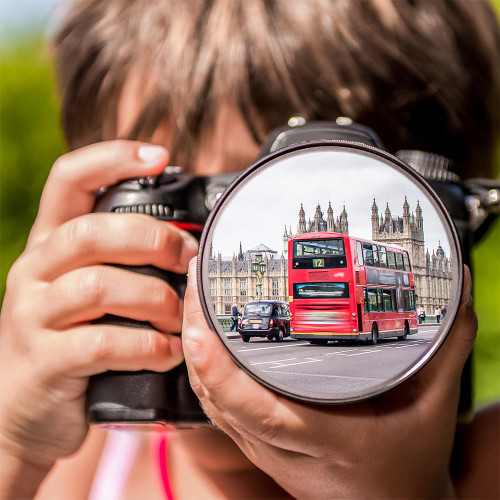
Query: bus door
[359,312]
[399,292]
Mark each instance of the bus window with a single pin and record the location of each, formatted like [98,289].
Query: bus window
[406,279]
[391,259]
[409,300]
[372,300]
[387,300]
[406,261]
[393,300]
[365,299]
[380,300]
[382,257]
[368,254]
[412,300]
[375,256]
[359,248]
[399,262]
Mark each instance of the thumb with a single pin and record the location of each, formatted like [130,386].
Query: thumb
[451,357]
[193,313]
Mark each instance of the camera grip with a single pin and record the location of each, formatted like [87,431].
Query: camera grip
[117,398]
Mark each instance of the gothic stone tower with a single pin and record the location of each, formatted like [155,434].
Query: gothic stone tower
[406,231]
[432,276]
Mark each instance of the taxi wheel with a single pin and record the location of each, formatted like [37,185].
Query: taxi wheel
[245,338]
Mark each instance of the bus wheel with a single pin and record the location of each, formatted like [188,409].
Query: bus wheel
[279,336]
[318,342]
[374,338]
[406,332]
[245,338]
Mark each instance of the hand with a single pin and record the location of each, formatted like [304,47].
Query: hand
[48,345]
[397,445]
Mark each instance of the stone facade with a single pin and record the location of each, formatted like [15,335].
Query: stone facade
[432,273]
[233,282]
[339,224]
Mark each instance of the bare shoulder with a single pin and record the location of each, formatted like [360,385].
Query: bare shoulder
[71,477]
[479,478]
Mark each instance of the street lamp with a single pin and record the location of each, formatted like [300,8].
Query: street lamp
[259,269]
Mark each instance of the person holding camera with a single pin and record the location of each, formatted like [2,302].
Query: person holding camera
[149,83]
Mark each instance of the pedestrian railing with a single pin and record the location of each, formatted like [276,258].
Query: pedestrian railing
[225,321]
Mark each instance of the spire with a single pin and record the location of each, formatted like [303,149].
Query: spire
[329,212]
[387,211]
[344,225]
[406,207]
[301,226]
[375,222]
[419,221]
[240,253]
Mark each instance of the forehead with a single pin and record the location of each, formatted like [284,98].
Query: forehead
[225,146]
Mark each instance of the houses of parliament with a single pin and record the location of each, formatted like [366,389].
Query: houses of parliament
[232,281]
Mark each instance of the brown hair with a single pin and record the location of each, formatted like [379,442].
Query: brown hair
[422,73]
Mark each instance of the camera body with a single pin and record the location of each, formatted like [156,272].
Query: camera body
[185,200]
[121,398]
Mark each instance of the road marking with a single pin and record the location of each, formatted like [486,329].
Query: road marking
[360,353]
[271,347]
[311,360]
[275,361]
[337,352]
[326,375]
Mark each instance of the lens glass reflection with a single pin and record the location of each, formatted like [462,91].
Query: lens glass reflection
[330,273]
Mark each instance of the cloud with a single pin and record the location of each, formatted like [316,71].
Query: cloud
[271,199]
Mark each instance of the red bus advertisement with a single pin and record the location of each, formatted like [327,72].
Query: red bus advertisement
[343,287]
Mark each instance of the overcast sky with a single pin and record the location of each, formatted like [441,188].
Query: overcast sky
[271,199]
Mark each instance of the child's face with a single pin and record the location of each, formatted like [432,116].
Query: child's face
[230,147]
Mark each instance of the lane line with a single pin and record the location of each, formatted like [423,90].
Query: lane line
[360,353]
[270,347]
[326,375]
[275,361]
[336,352]
[311,360]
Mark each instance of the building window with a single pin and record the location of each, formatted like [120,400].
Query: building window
[243,288]
[275,288]
[212,287]
[227,308]
[227,288]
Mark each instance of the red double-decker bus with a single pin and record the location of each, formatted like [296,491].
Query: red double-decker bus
[343,287]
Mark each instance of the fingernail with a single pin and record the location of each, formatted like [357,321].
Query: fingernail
[150,153]
[189,250]
[192,339]
[176,346]
[467,296]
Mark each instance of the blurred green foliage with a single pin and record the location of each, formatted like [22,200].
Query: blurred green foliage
[31,140]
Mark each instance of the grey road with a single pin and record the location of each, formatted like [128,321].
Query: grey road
[339,367]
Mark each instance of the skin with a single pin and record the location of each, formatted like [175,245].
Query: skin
[48,349]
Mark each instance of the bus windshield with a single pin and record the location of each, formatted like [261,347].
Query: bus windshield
[311,248]
[327,290]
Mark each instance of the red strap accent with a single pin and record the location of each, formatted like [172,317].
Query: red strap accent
[188,226]
[160,449]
